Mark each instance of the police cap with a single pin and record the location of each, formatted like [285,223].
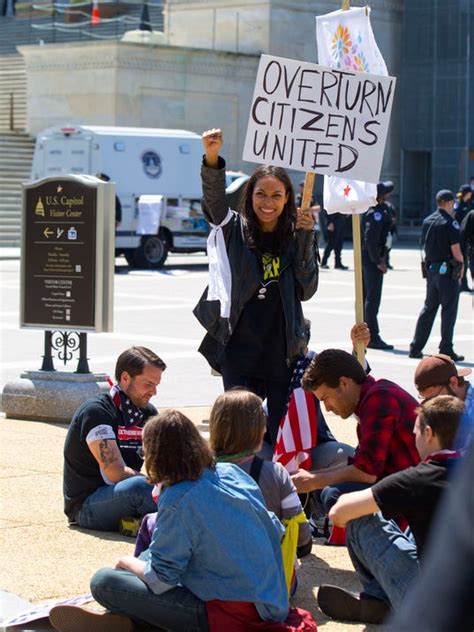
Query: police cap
[445,195]
[384,187]
[464,188]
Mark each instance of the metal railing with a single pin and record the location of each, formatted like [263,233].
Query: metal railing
[72,22]
[7,105]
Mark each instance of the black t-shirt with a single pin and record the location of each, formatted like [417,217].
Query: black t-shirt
[414,493]
[257,346]
[438,233]
[94,419]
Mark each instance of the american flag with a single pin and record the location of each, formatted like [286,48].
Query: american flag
[298,428]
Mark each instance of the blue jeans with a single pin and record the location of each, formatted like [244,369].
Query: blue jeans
[385,558]
[331,493]
[124,593]
[104,508]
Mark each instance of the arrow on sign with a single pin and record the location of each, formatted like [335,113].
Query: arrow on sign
[47,232]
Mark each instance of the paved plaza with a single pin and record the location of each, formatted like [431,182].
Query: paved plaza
[41,557]
[154,308]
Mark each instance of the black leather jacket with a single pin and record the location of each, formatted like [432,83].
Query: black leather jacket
[298,276]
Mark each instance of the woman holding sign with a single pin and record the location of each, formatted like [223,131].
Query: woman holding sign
[263,262]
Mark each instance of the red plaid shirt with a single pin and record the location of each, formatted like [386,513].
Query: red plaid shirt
[386,416]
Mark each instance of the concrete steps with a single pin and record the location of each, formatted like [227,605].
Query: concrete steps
[16,155]
[12,93]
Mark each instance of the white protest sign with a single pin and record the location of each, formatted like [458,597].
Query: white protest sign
[315,118]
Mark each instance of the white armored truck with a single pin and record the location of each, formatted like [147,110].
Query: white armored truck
[157,177]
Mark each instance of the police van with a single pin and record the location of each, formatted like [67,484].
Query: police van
[157,178]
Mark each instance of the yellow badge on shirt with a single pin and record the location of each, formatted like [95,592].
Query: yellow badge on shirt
[271,267]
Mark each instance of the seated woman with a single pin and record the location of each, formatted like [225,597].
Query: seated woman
[214,540]
[237,426]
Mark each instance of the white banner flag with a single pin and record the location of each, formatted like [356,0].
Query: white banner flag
[346,41]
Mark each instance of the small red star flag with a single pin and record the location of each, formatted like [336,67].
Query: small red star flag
[95,13]
[348,196]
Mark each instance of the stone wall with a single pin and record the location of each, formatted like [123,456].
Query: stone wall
[203,77]
[117,83]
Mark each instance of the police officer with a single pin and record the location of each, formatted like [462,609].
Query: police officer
[376,224]
[334,236]
[440,238]
[467,241]
[462,206]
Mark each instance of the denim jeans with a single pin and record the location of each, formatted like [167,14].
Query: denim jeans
[331,493]
[124,593]
[325,455]
[385,558]
[104,508]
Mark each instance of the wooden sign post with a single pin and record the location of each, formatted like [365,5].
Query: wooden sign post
[357,247]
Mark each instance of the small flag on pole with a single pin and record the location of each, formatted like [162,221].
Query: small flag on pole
[95,14]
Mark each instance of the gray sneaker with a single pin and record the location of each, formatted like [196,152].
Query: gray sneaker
[343,605]
[77,619]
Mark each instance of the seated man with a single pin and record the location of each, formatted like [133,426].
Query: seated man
[386,416]
[302,409]
[438,375]
[103,449]
[385,558]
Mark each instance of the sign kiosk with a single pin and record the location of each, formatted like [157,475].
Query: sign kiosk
[67,272]
[68,254]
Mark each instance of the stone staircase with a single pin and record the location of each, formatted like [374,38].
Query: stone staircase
[16,147]
[12,93]
[16,153]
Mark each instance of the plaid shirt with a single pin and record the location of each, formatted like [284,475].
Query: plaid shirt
[386,415]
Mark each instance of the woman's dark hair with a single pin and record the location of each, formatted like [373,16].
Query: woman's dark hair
[329,366]
[174,449]
[236,422]
[286,221]
[134,360]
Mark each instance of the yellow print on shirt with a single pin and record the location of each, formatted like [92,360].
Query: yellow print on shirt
[271,267]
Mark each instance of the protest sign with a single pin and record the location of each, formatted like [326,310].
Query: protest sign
[320,119]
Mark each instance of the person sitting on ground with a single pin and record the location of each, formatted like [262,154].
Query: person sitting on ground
[386,415]
[204,568]
[438,375]
[237,425]
[446,578]
[385,558]
[304,437]
[102,453]
[327,451]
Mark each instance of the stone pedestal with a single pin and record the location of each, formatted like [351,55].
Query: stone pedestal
[50,395]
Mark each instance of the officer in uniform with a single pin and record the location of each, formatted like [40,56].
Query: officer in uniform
[376,224]
[462,206]
[440,238]
[334,240]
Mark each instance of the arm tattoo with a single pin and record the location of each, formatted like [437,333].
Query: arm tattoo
[106,454]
